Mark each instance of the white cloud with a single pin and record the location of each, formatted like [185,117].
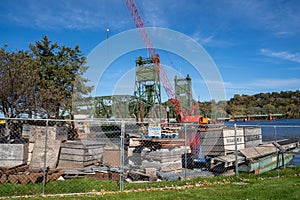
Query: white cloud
[202,40]
[276,83]
[282,18]
[284,34]
[71,14]
[265,84]
[261,86]
[295,57]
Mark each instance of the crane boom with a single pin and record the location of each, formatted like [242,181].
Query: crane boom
[150,48]
[155,57]
[140,25]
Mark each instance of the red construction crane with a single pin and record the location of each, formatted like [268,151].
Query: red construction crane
[182,114]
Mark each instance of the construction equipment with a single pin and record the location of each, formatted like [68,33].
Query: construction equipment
[183,115]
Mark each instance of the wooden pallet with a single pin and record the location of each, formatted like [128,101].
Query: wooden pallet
[23,175]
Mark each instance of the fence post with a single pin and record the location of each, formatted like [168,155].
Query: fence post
[236,152]
[185,155]
[275,134]
[45,157]
[122,146]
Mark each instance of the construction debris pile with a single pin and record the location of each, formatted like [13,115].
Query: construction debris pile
[151,163]
[48,154]
[24,163]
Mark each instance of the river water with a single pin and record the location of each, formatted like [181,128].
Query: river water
[276,130]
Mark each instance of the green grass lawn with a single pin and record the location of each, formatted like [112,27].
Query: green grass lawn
[278,184]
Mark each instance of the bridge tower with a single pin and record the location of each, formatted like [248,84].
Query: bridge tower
[147,86]
[183,90]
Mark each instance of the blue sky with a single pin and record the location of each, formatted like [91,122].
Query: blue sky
[254,44]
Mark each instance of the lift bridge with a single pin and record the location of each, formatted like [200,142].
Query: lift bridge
[146,101]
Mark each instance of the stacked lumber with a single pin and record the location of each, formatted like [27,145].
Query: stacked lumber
[170,131]
[78,154]
[155,143]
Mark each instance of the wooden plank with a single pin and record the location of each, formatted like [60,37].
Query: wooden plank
[75,164]
[83,143]
[82,151]
[74,151]
[95,151]
[72,145]
[167,140]
[133,142]
[82,147]
[78,158]
[164,142]
[259,151]
[228,160]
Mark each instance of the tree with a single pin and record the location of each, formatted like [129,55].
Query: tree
[16,82]
[16,79]
[60,77]
[44,81]
[5,81]
[286,103]
[74,86]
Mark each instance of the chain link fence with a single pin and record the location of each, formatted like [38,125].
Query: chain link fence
[41,153]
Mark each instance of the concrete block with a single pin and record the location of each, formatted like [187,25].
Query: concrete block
[13,154]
